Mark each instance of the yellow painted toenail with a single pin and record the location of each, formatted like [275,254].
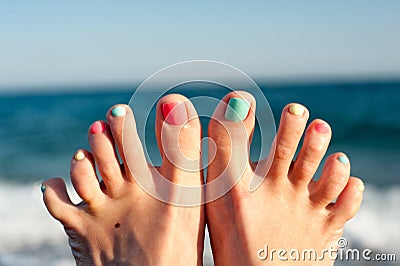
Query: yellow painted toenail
[361,187]
[297,109]
[79,156]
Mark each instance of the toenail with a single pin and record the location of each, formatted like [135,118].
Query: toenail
[97,127]
[79,156]
[361,187]
[174,113]
[297,109]
[237,109]
[118,111]
[343,159]
[322,128]
[43,188]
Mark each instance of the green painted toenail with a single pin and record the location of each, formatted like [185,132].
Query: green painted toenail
[237,109]
[343,159]
[43,188]
[118,111]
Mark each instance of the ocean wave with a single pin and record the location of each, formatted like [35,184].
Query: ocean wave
[376,225]
[29,236]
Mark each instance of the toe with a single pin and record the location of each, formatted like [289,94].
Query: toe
[178,133]
[334,178]
[230,130]
[315,144]
[84,179]
[58,203]
[102,147]
[123,128]
[293,122]
[348,202]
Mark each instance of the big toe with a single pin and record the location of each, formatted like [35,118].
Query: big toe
[230,131]
[178,133]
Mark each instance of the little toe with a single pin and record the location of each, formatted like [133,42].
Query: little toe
[334,178]
[123,128]
[293,122]
[84,179]
[348,202]
[102,147]
[230,130]
[314,147]
[58,203]
[178,133]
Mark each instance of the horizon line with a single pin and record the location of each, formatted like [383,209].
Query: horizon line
[88,86]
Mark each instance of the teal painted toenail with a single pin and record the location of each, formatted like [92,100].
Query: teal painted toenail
[43,188]
[237,109]
[118,111]
[343,159]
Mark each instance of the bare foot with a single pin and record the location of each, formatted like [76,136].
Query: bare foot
[289,210]
[118,223]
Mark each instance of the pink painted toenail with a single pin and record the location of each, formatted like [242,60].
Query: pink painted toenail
[97,127]
[322,128]
[174,113]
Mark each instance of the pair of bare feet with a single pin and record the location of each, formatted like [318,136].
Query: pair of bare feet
[117,223]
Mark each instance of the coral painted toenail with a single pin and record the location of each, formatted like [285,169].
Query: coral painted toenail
[97,127]
[118,111]
[361,187]
[79,156]
[237,109]
[43,188]
[322,128]
[297,109]
[174,113]
[343,159]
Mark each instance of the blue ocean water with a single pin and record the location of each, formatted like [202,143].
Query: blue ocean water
[40,132]
[49,127]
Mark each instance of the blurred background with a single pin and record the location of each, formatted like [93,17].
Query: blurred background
[64,63]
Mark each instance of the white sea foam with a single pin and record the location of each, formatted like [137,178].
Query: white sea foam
[29,236]
[376,225]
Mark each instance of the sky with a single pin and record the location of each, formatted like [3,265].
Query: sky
[94,42]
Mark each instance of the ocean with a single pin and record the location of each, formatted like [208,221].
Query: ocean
[40,131]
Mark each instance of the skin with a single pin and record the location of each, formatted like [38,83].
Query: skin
[118,223]
[289,210]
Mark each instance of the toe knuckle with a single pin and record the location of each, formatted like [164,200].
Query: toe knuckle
[336,183]
[307,168]
[283,152]
[314,149]
[108,169]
